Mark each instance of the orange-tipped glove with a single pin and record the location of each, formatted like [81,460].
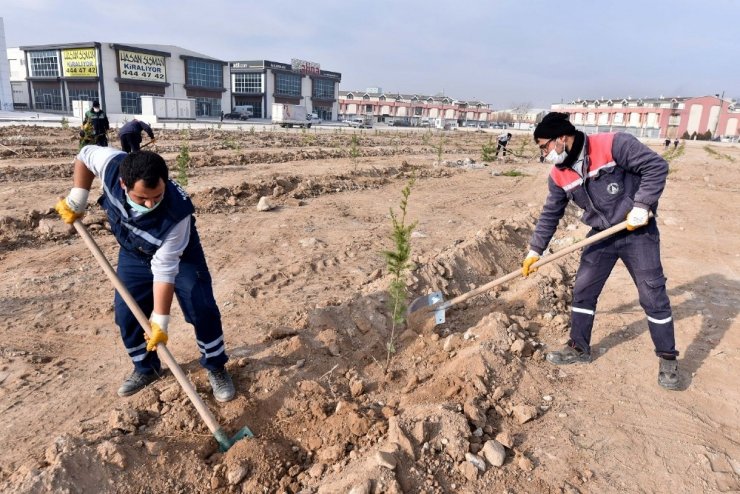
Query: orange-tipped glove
[532,257]
[636,218]
[158,323]
[73,206]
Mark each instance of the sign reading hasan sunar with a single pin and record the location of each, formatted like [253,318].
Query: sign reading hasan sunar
[141,66]
[79,62]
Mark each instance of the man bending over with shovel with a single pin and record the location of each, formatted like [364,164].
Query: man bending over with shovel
[160,256]
[611,177]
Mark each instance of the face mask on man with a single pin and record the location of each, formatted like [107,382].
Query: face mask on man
[555,158]
[140,208]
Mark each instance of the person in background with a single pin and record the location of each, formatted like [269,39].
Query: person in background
[611,177]
[675,143]
[503,140]
[130,135]
[99,121]
[667,142]
[160,257]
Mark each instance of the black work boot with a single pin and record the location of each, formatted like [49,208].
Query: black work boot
[668,376]
[136,382]
[570,354]
[222,385]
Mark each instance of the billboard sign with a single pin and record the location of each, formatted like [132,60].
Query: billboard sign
[79,62]
[141,66]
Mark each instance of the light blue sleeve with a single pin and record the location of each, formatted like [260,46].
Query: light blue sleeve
[166,261]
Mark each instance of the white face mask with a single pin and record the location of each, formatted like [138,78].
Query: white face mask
[555,158]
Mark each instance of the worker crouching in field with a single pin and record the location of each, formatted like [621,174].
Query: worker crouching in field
[160,256]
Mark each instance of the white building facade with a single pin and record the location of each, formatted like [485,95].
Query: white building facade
[6,94]
[117,75]
[261,83]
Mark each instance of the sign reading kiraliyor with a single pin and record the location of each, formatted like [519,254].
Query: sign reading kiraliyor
[141,66]
[79,62]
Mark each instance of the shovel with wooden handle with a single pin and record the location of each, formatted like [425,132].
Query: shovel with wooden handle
[224,441]
[149,143]
[434,302]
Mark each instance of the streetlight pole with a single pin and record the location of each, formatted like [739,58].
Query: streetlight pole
[719,115]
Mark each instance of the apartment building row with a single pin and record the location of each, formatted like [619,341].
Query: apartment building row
[665,117]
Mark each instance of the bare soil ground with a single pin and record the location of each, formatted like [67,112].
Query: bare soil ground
[303,293]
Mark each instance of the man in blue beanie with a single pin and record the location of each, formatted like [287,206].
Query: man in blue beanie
[611,177]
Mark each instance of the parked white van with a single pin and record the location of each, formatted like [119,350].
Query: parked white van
[247,110]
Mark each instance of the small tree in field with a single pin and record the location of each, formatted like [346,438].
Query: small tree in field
[354,150]
[183,162]
[398,261]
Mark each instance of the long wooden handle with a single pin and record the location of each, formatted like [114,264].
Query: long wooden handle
[552,257]
[162,350]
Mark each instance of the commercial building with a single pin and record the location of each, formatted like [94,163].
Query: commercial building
[52,77]
[411,109]
[117,75]
[6,95]
[656,117]
[261,83]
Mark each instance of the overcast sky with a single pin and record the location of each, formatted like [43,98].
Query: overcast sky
[502,52]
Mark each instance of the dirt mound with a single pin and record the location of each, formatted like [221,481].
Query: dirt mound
[350,424]
[466,406]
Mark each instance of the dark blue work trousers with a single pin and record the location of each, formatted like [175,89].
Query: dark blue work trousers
[131,142]
[194,292]
[639,250]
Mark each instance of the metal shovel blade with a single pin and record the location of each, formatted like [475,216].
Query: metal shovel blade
[225,442]
[434,298]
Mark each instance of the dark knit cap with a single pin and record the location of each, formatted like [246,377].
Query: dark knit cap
[554,125]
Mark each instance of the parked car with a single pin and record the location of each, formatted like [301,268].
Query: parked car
[235,115]
[360,123]
[314,118]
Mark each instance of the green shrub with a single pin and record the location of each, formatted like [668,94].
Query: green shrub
[513,173]
[488,152]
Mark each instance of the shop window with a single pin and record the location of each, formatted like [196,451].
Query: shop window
[248,83]
[44,63]
[323,89]
[287,84]
[207,107]
[131,102]
[202,73]
[47,99]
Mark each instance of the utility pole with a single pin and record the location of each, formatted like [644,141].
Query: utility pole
[716,124]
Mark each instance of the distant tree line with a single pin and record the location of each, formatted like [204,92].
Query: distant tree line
[698,136]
